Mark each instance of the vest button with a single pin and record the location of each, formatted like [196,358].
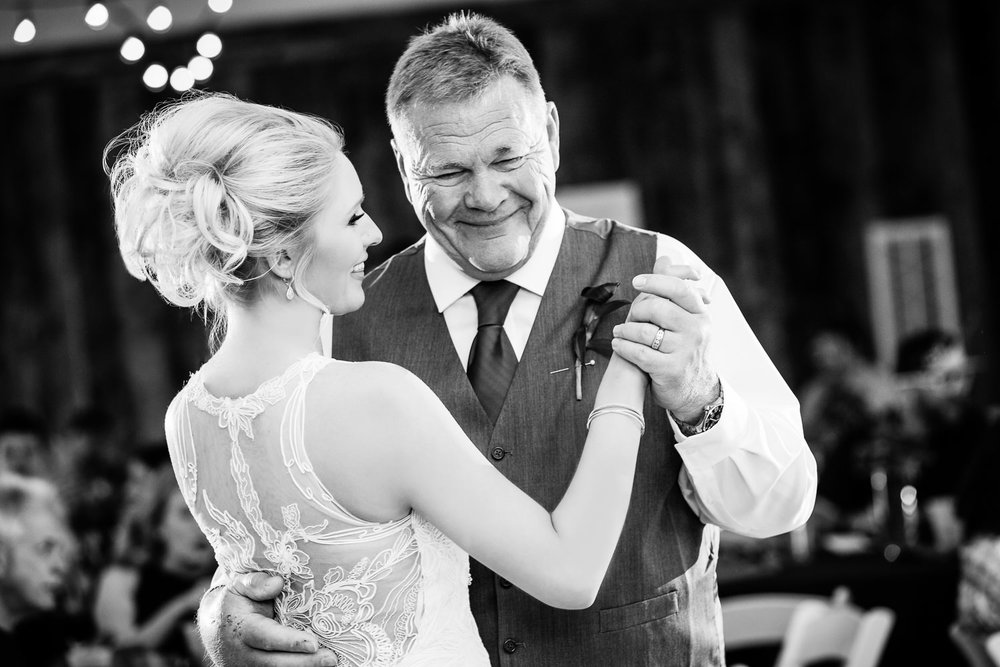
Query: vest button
[511,645]
[504,583]
[497,453]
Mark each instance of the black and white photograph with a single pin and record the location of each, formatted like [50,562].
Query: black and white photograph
[505,333]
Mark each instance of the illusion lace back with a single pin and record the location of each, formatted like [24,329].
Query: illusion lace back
[391,593]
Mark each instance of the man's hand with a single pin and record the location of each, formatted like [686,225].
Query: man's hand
[238,630]
[682,379]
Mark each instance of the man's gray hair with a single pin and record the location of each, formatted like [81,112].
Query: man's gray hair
[20,495]
[456,61]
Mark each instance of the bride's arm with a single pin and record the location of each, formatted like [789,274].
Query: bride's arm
[410,452]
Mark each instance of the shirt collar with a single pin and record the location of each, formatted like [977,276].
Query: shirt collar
[449,283]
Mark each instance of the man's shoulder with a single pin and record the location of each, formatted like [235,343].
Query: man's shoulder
[605,228]
[399,264]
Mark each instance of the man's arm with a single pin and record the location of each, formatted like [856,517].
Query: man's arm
[238,630]
[750,471]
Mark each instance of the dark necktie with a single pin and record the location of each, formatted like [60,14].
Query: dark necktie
[492,361]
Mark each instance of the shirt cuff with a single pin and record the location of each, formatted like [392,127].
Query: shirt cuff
[220,578]
[703,450]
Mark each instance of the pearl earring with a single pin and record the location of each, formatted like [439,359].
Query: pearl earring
[289,293]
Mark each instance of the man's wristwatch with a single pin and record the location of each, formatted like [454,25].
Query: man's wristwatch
[710,416]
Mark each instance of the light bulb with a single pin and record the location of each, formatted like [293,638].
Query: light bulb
[132,49]
[160,19]
[181,79]
[220,6]
[97,16]
[25,31]
[200,68]
[209,45]
[155,77]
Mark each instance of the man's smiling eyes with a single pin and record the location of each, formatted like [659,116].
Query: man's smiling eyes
[512,162]
[505,164]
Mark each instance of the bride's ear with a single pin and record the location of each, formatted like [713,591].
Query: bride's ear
[281,264]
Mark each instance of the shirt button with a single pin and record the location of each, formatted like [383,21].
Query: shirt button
[511,645]
[497,453]
[504,583]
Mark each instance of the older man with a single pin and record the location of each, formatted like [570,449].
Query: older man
[477,147]
[35,546]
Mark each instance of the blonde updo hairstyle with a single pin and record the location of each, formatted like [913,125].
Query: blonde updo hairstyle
[208,190]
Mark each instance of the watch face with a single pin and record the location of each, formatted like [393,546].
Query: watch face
[712,415]
[709,418]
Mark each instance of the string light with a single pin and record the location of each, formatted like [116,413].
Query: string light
[160,19]
[97,16]
[200,68]
[132,49]
[209,45]
[155,77]
[25,31]
[181,79]
[220,6]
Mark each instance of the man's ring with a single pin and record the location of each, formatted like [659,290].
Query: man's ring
[657,339]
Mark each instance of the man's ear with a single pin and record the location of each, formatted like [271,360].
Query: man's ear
[552,131]
[401,167]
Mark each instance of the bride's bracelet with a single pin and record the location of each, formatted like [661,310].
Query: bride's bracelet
[616,409]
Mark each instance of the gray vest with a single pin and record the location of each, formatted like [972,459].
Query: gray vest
[658,604]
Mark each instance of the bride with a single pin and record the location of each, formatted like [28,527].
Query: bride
[349,480]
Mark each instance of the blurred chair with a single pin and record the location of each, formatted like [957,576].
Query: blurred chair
[974,649]
[753,621]
[808,628]
[835,629]
[993,647]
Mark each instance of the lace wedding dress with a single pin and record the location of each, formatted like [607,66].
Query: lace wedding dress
[391,593]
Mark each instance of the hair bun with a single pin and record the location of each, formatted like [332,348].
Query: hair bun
[222,219]
[208,187]
[182,228]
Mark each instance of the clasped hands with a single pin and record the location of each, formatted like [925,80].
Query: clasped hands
[682,377]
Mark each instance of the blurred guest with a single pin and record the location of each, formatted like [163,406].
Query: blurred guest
[147,469]
[941,429]
[35,549]
[842,407]
[978,506]
[148,599]
[23,442]
[87,465]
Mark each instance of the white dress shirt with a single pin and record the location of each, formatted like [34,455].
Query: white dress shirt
[752,473]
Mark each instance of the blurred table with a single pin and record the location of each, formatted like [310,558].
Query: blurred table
[919,587]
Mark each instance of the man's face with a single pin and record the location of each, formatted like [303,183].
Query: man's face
[481,175]
[946,381]
[36,563]
[21,453]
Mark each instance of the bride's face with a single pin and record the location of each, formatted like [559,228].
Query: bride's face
[342,233]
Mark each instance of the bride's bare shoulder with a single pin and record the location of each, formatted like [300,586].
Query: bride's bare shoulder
[361,383]
[383,406]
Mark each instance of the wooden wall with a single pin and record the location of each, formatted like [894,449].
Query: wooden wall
[764,134]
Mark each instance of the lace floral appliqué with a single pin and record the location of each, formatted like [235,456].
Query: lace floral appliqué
[377,594]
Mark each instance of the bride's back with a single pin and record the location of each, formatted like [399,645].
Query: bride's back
[243,466]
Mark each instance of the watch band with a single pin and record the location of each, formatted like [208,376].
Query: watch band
[709,417]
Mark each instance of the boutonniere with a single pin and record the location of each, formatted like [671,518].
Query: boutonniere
[599,305]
